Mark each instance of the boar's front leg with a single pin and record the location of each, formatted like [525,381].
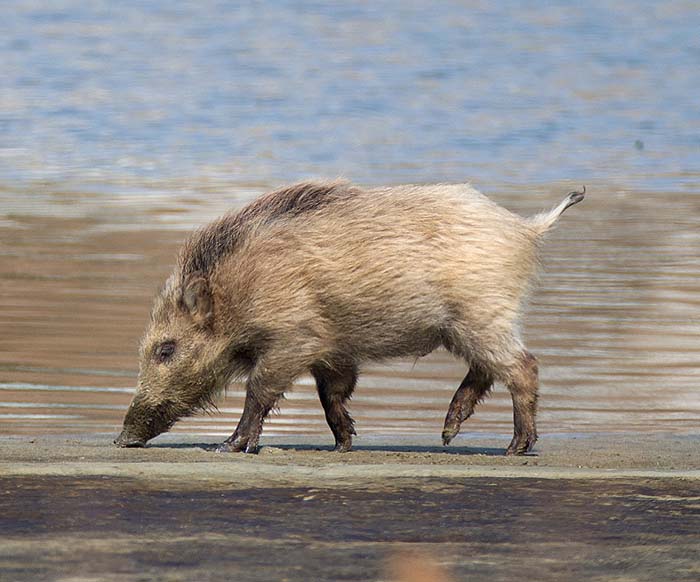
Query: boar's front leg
[269,380]
[247,433]
[471,391]
[335,386]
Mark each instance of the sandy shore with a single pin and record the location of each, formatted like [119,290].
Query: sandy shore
[176,456]
[600,507]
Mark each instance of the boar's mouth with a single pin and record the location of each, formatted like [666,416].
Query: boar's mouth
[144,422]
[126,440]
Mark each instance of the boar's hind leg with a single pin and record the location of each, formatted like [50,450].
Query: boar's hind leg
[523,383]
[471,391]
[335,387]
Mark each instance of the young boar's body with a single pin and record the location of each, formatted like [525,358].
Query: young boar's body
[320,277]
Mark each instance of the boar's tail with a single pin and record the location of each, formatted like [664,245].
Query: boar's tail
[543,221]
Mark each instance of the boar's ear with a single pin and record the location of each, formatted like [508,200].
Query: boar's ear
[196,299]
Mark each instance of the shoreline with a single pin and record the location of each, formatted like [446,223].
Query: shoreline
[300,461]
[331,475]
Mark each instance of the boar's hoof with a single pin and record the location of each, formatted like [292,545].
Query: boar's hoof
[521,444]
[343,446]
[237,447]
[228,447]
[448,434]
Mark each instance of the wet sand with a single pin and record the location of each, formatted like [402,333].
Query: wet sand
[193,456]
[600,507]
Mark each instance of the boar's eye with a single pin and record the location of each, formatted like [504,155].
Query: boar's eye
[164,351]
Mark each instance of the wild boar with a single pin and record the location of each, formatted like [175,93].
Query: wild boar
[321,277]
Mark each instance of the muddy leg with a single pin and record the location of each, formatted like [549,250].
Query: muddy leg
[247,433]
[267,383]
[471,391]
[335,386]
[523,385]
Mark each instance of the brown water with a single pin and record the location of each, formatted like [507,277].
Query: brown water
[615,321]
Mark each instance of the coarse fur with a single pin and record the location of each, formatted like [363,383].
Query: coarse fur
[321,277]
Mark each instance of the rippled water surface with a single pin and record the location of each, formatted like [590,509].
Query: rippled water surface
[175,93]
[124,126]
[614,322]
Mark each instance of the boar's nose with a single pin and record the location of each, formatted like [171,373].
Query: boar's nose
[127,440]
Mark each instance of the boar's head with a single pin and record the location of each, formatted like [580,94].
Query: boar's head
[183,363]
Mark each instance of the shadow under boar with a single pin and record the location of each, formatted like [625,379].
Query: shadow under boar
[320,277]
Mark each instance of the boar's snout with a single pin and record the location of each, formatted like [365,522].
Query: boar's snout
[145,420]
[129,440]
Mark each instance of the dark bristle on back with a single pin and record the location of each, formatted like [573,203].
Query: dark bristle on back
[210,244]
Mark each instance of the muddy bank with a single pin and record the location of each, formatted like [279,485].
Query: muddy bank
[176,453]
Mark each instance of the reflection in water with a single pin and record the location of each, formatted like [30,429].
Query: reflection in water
[122,128]
[614,322]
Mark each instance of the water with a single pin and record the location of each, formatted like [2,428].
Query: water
[614,323]
[122,128]
[173,95]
